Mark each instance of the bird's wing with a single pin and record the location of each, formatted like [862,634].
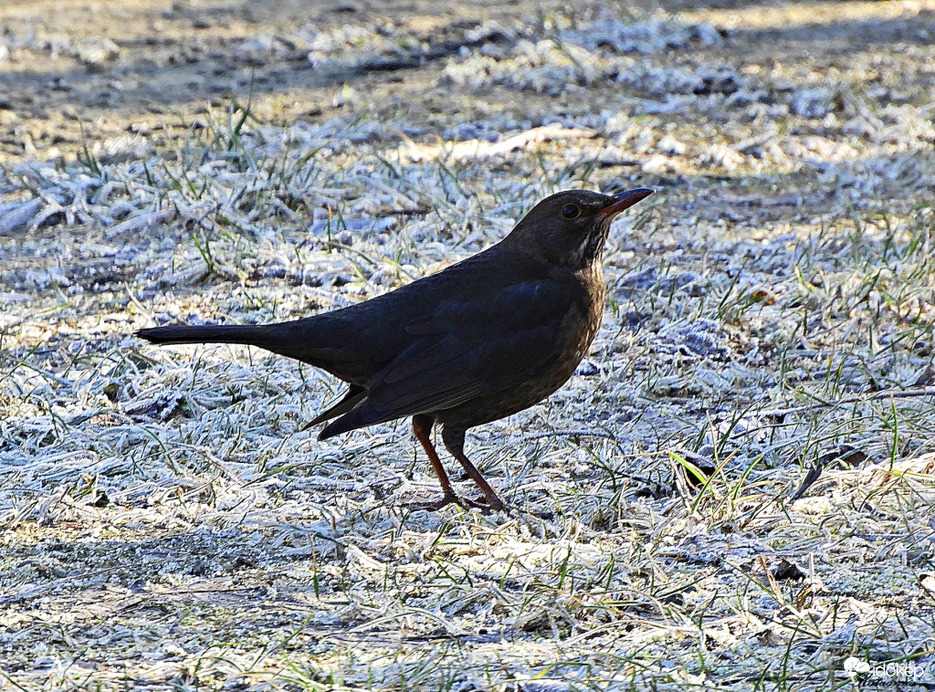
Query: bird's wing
[463,349]
[352,396]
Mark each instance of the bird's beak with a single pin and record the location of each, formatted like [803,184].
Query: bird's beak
[625,200]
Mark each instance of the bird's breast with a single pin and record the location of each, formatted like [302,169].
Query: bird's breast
[585,319]
[576,325]
[578,328]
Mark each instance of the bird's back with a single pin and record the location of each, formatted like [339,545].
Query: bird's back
[357,342]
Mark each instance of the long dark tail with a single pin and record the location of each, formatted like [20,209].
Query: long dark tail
[278,338]
[205,334]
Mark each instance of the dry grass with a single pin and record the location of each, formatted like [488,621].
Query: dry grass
[168,524]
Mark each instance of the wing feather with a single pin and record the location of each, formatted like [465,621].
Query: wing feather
[463,350]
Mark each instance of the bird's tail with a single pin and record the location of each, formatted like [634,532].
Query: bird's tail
[269,337]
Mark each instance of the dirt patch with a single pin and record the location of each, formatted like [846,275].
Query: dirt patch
[77,75]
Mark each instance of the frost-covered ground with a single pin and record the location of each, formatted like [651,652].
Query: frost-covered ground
[734,491]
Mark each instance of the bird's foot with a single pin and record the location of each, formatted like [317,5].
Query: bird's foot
[488,504]
[447,499]
[485,505]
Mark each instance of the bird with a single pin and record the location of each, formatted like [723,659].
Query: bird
[480,340]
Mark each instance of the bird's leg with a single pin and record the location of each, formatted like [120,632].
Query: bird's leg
[422,428]
[454,443]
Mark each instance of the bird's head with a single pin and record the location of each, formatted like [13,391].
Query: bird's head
[569,228]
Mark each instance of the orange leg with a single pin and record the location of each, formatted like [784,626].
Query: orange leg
[422,428]
[454,443]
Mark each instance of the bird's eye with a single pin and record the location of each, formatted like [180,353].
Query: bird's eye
[571,211]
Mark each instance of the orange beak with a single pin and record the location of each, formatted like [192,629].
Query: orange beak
[625,200]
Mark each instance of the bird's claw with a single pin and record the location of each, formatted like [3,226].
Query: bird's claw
[484,505]
[433,506]
[491,504]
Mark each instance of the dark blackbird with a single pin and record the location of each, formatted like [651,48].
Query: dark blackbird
[480,340]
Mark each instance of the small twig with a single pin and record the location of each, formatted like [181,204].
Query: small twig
[859,398]
[572,433]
